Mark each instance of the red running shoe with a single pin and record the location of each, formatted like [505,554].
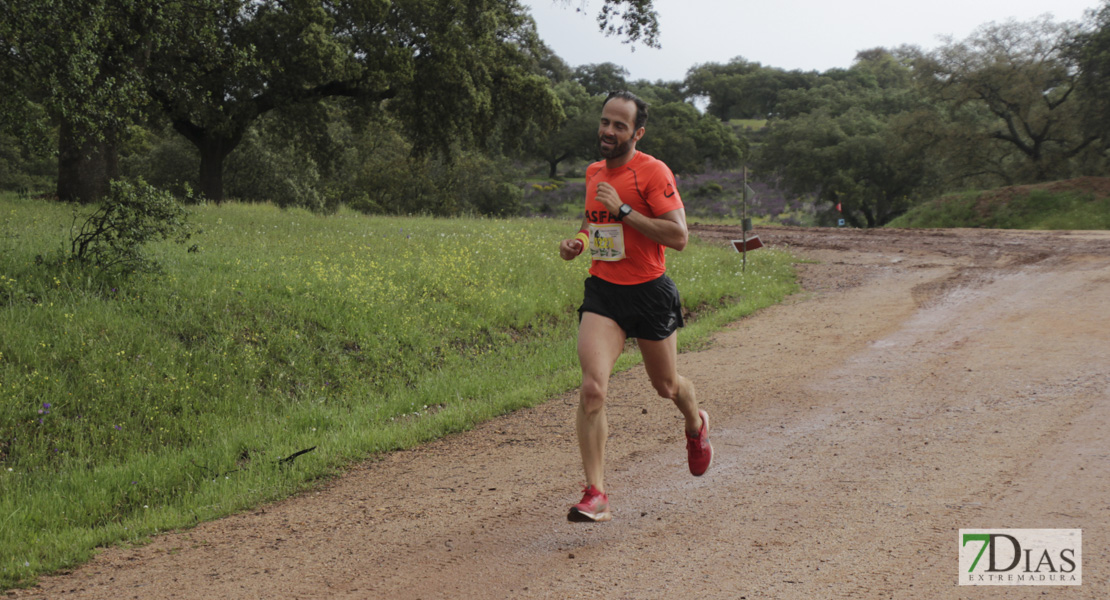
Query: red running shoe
[594,507]
[698,449]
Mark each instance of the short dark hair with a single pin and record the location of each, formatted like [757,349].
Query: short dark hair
[641,106]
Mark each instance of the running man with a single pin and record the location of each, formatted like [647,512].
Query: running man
[633,211]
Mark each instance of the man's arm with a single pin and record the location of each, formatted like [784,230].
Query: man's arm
[668,228]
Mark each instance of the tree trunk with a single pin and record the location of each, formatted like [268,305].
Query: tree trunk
[868,215]
[213,149]
[553,163]
[86,165]
[212,173]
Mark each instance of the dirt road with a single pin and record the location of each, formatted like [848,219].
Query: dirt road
[925,381]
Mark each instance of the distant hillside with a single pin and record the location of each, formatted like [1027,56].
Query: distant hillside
[748,124]
[1082,203]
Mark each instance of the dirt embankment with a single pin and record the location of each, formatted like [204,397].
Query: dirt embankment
[925,381]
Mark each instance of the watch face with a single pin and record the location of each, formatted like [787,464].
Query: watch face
[625,209]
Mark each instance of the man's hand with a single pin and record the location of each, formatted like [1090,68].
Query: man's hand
[569,249]
[607,195]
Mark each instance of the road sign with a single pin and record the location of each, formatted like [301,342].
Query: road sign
[749,244]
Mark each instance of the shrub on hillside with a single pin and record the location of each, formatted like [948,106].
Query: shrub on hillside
[481,185]
[262,170]
[471,183]
[551,198]
[134,214]
[164,159]
[23,170]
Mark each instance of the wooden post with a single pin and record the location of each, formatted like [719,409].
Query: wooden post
[744,221]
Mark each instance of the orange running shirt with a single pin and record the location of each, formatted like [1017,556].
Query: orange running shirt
[648,186]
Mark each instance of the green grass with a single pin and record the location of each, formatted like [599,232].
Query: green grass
[753,124]
[1035,209]
[130,406]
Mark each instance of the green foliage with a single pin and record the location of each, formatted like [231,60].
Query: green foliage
[845,142]
[576,135]
[82,66]
[741,89]
[659,92]
[689,141]
[677,133]
[133,215]
[23,170]
[318,158]
[455,76]
[602,78]
[1031,209]
[379,175]
[162,158]
[709,188]
[858,88]
[952,210]
[61,50]
[165,398]
[634,19]
[558,198]
[1090,49]
[481,185]
[1011,91]
[265,168]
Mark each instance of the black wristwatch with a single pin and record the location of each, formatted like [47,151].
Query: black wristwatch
[623,211]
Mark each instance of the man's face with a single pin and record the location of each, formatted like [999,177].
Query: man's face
[616,133]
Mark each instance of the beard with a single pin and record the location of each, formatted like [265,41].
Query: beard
[615,151]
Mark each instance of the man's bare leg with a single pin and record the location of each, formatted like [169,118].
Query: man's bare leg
[661,364]
[600,342]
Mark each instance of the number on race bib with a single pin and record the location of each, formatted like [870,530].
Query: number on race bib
[607,241]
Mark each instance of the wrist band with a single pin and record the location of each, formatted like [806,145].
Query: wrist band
[583,237]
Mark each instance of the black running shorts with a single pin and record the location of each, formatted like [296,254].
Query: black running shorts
[649,311]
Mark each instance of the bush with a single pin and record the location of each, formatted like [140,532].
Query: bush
[711,188]
[24,171]
[562,200]
[480,185]
[163,158]
[134,213]
[390,181]
[262,169]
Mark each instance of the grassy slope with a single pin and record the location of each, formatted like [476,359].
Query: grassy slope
[751,124]
[1073,204]
[131,406]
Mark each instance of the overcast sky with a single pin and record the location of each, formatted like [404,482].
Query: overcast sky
[789,34]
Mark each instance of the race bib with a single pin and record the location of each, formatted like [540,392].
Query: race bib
[607,241]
